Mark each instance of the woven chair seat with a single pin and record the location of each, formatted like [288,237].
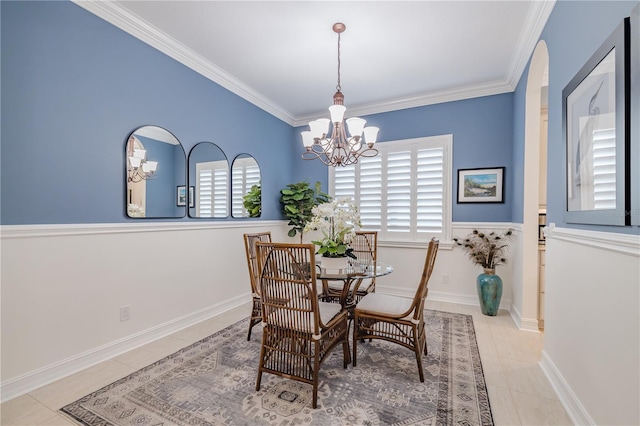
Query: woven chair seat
[386,305]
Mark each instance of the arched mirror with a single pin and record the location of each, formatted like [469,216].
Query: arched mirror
[208,181]
[246,191]
[155,172]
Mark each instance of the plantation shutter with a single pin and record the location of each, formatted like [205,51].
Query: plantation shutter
[370,191]
[220,191]
[604,169]
[204,189]
[399,190]
[404,192]
[430,190]
[211,189]
[237,190]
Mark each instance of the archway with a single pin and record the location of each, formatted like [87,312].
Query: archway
[532,160]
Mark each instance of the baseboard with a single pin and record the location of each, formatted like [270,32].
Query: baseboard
[438,296]
[49,374]
[524,324]
[568,399]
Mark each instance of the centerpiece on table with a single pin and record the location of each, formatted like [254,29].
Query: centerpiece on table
[487,250]
[337,220]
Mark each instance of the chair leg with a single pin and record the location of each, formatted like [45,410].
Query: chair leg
[355,339]
[314,403]
[259,379]
[346,353]
[418,348]
[250,328]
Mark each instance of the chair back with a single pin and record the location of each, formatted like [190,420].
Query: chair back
[365,246]
[252,259]
[288,286]
[423,286]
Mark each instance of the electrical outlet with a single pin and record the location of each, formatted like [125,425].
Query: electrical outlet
[445,279]
[125,313]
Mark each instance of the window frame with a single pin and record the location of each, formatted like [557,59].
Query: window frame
[415,239]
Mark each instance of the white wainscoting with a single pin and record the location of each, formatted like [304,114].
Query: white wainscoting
[63,286]
[592,325]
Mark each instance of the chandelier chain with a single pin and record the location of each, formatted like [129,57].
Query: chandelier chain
[338,87]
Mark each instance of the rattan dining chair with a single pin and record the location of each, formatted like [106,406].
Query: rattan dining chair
[365,248]
[252,263]
[299,331]
[396,319]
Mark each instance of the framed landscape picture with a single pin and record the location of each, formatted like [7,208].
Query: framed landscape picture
[181,196]
[481,185]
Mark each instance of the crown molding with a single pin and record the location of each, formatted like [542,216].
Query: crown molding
[121,18]
[449,95]
[142,30]
[537,17]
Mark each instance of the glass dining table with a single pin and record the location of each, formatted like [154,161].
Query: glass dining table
[351,277]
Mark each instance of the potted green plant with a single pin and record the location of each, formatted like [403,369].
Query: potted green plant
[488,251]
[297,201]
[252,201]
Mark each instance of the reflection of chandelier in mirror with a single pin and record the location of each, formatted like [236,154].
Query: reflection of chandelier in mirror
[138,168]
[338,149]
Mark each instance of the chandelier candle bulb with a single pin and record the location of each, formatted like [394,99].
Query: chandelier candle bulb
[356,126]
[370,135]
[319,128]
[307,139]
[337,113]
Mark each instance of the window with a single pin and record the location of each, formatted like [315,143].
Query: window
[404,192]
[212,188]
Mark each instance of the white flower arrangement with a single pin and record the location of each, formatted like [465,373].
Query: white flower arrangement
[337,220]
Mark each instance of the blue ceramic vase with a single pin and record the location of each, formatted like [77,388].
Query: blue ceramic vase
[489,291]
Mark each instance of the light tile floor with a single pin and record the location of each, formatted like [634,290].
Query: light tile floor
[519,393]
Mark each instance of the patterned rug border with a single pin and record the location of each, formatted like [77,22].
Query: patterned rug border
[443,391]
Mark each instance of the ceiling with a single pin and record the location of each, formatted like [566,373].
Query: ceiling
[282,55]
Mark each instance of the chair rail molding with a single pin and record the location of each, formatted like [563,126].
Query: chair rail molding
[611,241]
[59,230]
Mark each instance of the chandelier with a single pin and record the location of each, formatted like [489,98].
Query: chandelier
[338,149]
[139,168]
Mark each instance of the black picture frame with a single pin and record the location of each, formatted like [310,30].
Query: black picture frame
[595,120]
[181,195]
[635,116]
[481,185]
[192,196]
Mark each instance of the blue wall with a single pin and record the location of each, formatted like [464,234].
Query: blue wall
[74,87]
[482,131]
[573,32]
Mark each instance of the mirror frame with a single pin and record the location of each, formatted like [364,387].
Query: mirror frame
[126,174]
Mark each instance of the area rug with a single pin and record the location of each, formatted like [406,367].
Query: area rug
[212,382]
